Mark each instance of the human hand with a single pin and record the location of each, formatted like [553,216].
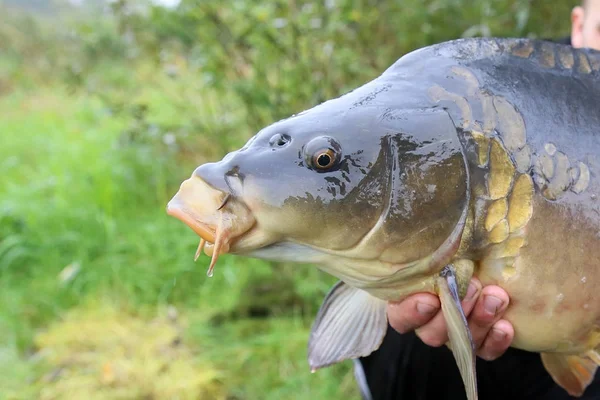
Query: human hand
[483,307]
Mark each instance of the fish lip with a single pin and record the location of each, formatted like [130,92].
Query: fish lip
[176,209]
[210,212]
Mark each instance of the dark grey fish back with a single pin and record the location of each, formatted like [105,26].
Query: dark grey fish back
[558,57]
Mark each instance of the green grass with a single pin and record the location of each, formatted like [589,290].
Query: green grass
[83,224]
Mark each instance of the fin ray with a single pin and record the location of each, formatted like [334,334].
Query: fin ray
[572,372]
[461,342]
[350,324]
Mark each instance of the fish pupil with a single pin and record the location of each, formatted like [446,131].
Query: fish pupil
[324,160]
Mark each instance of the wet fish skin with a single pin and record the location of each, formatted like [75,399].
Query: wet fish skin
[480,154]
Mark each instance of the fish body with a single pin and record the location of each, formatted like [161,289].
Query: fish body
[471,157]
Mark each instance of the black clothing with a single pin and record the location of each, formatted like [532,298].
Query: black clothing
[404,368]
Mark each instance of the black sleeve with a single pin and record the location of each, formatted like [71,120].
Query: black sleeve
[405,368]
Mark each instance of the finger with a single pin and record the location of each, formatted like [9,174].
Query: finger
[497,341]
[435,332]
[412,312]
[488,310]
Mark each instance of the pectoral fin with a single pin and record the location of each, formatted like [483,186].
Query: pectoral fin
[573,373]
[350,324]
[461,342]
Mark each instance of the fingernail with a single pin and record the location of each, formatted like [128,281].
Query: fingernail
[471,292]
[492,304]
[498,335]
[425,309]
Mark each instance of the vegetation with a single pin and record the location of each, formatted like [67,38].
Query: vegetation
[105,110]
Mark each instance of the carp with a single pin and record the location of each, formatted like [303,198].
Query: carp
[473,157]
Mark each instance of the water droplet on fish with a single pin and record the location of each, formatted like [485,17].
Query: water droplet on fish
[583,280]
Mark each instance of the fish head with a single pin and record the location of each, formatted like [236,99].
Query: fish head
[363,191]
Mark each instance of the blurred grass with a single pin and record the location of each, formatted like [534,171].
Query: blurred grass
[83,220]
[104,114]
[104,353]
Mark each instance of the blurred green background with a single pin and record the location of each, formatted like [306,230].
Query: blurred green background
[105,107]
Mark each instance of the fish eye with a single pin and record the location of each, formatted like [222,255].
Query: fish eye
[323,153]
[279,140]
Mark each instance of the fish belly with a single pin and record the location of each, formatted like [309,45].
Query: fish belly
[554,283]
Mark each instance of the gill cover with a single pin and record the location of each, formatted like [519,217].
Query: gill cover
[427,166]
[422,169]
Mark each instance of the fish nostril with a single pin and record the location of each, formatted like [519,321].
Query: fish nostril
[279,140]
[235,172]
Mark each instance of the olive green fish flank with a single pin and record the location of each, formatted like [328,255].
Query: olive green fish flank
[500,232]
[496,212]
[521,203]
[502,171]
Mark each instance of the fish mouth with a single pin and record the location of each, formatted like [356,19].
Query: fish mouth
[219,218]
